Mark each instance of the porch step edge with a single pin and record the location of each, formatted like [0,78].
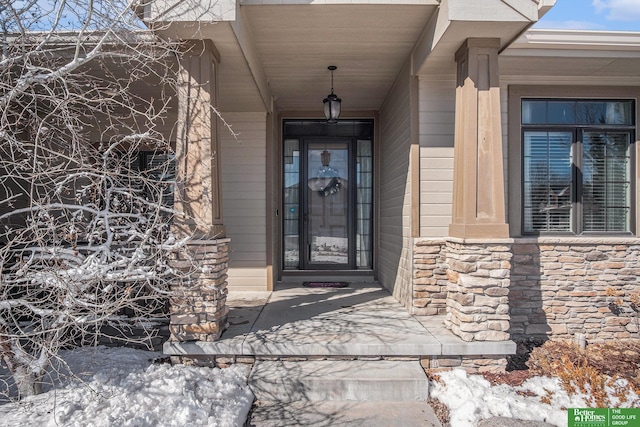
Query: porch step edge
[239,347]
[360,381]
[343,414]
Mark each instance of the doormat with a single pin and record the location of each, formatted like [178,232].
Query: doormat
[326,284]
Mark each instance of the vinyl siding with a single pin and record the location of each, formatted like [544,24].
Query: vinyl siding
[394,253]
[437,125]
[244,199]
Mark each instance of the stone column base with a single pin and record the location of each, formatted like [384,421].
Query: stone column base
[198,303]
[477,303]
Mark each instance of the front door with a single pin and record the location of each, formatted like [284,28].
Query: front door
[327,206]
[328,196]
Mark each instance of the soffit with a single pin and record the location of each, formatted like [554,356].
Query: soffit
[557,53]
[237,87]
[368,43]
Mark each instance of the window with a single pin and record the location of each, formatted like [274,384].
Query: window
[577,165]
[160,167]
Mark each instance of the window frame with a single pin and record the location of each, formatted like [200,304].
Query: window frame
[574,179]
[516,130]
[577,166]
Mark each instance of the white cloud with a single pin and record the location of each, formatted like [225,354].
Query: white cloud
[618,10]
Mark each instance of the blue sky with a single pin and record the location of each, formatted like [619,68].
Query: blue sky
[614,15]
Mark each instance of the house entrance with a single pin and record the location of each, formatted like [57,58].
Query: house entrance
[328,195]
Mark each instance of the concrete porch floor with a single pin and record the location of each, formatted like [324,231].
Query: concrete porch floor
[360,320]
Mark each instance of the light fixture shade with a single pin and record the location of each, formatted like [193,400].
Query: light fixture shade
[325,158]
[332,102]
[332,108]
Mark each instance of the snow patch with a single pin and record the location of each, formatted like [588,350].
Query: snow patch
[121,386]
[471,398]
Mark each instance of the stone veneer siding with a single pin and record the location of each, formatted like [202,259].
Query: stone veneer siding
[559,288]
[431,364]
[429,278]
[477,301]
[198,303]
[530,287]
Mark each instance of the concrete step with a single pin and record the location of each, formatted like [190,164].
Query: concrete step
[343,414]
[329,380]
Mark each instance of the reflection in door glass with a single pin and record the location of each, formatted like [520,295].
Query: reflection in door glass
[328,203]
[291,206]
[364,204]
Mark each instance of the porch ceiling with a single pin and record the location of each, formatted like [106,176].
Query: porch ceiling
[368,43]
[274,54]
[280,52]
[274,57]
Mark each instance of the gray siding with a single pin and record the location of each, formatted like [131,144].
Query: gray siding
[394,251]
[244,199]
[437,125]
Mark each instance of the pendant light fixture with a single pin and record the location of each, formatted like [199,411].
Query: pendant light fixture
[325,158]
[332,102]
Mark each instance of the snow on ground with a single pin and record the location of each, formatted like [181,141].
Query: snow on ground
[122,387]
[471,398]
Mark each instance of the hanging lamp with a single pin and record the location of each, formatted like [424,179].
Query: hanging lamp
[332,102]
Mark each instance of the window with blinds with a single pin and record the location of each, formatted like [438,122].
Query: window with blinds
[160,167]
[577,166]
[548,181]
[606,181]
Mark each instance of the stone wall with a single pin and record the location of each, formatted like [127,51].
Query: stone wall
[472,364]
[564,287]
[530,287]
[198,304]
[429,277]
[478,288]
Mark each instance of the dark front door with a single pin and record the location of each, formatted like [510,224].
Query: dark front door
[327,197]
[327,206]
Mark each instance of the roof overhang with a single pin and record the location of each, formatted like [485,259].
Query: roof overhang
[274,54]
[458,20]
[571,53]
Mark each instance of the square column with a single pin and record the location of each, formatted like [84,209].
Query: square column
[198,301]
[478,183]
[478,262]
[198,193]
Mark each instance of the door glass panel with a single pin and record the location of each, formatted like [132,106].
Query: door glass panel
[291,207]
[328,203]
[364,204]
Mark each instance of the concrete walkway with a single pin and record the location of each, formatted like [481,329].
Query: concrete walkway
[290,332]
[360,320]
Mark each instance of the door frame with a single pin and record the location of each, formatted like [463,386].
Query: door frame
[278,254]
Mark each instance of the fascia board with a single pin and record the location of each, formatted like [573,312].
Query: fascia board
[577,40]
[189,11]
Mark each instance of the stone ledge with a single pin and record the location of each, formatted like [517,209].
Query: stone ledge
[577,240]
[447,347]
[208,242]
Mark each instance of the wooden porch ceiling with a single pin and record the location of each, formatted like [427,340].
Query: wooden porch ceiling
[275,57]
[368,43]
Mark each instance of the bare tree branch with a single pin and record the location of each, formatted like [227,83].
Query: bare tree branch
[86,177]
